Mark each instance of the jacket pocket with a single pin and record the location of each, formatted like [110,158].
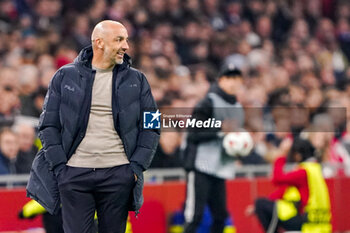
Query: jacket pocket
[136,199]
[132,174]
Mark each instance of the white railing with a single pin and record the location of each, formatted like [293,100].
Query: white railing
[160,175]
[154,175]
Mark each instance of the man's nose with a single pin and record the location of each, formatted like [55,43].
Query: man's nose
[125,45]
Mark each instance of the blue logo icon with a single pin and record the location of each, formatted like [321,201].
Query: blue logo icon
[151,120]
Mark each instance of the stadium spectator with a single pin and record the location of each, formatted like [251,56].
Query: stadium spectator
[80,32]
[168,151]
[9,95]
[29,79]
[8,151]
[330,147]
[27,150]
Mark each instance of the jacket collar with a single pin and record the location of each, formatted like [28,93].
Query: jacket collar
[217,90]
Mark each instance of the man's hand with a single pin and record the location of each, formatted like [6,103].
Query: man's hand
[135,177]
[285,146]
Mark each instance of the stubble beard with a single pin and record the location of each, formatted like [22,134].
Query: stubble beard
[119,61]
[113,59]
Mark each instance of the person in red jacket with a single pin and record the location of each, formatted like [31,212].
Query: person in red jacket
[290,206]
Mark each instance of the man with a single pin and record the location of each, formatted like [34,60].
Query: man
[9,96]
[27,149]
[94,146]
[208,167]
[302,201]
[8,151]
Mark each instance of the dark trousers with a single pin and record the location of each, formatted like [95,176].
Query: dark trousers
[203,189]
[53,223]
[264,209]
[106,190]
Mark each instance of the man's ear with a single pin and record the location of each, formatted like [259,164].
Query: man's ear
[100,43]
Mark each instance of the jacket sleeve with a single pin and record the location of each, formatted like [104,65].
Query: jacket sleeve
[203,111]
[278,193]
[294,178]
[147,140]
[50,126]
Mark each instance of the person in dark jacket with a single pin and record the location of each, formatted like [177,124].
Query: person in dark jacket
[27,149]
[94,146]
[204,159]
[8,151]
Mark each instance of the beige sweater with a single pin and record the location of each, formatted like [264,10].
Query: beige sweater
[101,146]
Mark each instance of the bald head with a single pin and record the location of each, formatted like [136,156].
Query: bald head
[103,28]
[109,43]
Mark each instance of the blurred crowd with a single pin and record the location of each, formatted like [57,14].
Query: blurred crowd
[294,56]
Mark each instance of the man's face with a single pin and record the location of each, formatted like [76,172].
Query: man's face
[296,157]
[116,44]
[26,136]
[9,91]
[231,85]
[9,145]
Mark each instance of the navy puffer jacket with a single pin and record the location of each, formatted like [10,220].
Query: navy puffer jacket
[64,120]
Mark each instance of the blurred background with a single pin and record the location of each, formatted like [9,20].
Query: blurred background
[293,54]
